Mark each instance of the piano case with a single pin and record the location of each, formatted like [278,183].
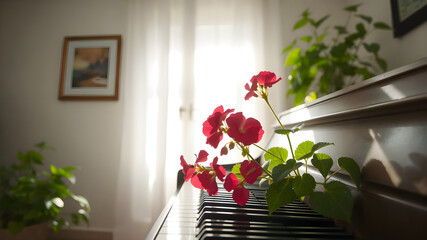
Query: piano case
[381,123]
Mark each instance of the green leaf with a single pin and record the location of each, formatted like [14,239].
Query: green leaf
[320,145]
[283,170]
[279,194]
[352,8]
[75,218]
[84,215]
[373,47]
[236,171]
[304,185]
[294,129]
[301,23]
[382,63]
[35,157]
[277,155]
[15,227]
[289,47]
[82,201]
[352,168]
[336,202]
[361,29]
[321,37]
[318,23]
[304,150]
[306,39]
[382,25]
[365,73]
[341,29]
[293,57]
[43,146]
[368,19]
[323,162]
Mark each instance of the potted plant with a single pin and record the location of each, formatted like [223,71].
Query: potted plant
[30,196]
[321,65]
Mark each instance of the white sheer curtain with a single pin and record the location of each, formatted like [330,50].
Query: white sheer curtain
[182,59]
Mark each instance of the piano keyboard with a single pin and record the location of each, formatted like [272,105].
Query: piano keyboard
[196,215]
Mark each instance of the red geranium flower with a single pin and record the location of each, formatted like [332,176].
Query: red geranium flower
[240,193]
[188,169]
[264,78]
[212,126]
[250,172]
[246,131]
[219,170]
[267,79]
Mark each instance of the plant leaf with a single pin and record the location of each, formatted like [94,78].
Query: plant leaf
[341,29]
[368,19]
[15,227]
[236,171]
[304,185]
[289,47]
[282,171]
[373,47]
[323,162]
[279,194]
[320,145]
[352,8]
[301,23]
[352,168]
[382,25]
[277,155]
[293,57]
[336,202]
[318,23]
[304,150]
[306,39]
[382,63]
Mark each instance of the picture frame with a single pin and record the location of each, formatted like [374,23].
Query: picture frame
[407,14]
[90,68]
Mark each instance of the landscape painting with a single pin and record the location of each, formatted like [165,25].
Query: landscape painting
[90,68]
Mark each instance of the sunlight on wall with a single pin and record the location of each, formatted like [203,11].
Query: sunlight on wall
[377,152]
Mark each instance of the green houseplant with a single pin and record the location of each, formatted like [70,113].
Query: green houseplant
[322,63]
[30,196]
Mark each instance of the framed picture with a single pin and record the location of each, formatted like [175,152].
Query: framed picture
[407,14]
[90,67]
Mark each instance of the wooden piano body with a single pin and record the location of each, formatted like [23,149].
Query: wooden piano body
[382,124]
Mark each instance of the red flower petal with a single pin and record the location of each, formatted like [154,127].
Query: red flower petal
[212,126]
[250,171]
[231,181]
[266,78]
[214,139]
[241,195]
[208,182]
[188,170]
[202,157]
[220,171]
[246,131]
[195,181]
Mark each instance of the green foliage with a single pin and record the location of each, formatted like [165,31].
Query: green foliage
[279,194]
[352,168]
[29,196]
[335,202]
[276,155]
[320,67]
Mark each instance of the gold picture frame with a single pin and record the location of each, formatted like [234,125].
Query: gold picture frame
[90,68]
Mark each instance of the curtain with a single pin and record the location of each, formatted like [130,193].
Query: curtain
[182,59]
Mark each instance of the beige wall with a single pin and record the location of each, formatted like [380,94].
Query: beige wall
[88,133]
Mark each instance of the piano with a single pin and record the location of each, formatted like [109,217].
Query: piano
[381,123]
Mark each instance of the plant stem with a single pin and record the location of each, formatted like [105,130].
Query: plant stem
[253,160]
[332,174]
[281,125]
